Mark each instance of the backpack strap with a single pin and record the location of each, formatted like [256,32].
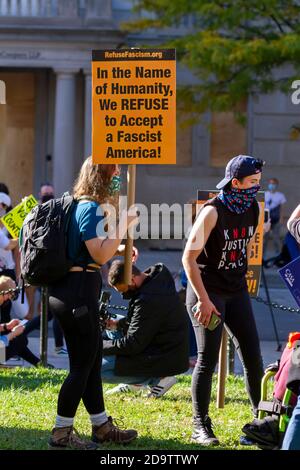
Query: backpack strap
[23,291]
[85,198]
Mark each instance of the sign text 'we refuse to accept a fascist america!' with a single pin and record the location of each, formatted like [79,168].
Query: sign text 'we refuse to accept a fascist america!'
[134,106]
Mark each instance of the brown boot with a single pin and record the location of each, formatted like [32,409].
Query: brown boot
[68,438]
[108,432]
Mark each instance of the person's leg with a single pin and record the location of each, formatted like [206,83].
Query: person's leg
[192,345]
[103,428]
[82,349]
[28,356]
[107,369]
[108,366]
[160,385]
[93,394]
[125,384]
[82,335]
[80,339]
[109,376]
[81,342]
[58,334]
[291,439]
[30,293]
[15,346]
[208,345]
[18,347]
[82,352]
[240,320]
[35,323]
[32,325]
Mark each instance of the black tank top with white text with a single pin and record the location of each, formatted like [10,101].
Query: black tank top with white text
[223,261]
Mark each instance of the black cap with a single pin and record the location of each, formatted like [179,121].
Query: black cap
[239,167]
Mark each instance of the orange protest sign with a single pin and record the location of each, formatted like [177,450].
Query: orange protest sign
[134,106]
[256,253]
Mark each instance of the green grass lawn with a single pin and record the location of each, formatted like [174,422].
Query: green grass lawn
[28,407]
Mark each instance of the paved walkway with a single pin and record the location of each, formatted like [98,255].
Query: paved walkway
[269,354]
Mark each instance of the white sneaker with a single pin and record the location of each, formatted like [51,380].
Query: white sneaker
[61,351]
[125,388]
[162,387]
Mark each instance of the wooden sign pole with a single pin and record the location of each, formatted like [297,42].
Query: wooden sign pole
[131,180]
[2,137]
[222,371]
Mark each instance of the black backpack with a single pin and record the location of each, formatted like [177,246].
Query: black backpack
[43,242]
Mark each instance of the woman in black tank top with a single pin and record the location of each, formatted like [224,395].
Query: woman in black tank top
[215,260]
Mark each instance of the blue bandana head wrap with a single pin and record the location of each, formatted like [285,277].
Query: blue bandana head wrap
[238,200]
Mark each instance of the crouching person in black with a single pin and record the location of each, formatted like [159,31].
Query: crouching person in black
[151,344]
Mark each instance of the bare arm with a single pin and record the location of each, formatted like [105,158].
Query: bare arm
[12,244]
[200,232]
[295,214]
[121,252]
[293,224]
[103,249]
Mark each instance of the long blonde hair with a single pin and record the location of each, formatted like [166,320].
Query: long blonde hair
[94,181]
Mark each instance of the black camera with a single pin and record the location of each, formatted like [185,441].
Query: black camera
[104,314]
[15,294]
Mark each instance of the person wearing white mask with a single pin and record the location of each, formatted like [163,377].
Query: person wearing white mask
[274,200]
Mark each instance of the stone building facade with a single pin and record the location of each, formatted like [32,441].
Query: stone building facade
[45,53]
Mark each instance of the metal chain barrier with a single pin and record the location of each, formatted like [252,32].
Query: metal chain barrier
[121,307]
[14,290]
[118,307]
[276,305]
[18,288]
[258,299]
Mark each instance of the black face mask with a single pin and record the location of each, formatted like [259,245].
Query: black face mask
[46,198]
[129,294]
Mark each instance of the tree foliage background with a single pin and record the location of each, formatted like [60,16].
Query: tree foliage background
[235,47]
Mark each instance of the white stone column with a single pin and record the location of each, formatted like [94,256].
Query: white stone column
[97,11]
[87,113]
[64,132]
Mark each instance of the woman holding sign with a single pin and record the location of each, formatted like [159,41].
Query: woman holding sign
[74,302]
[215,260]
